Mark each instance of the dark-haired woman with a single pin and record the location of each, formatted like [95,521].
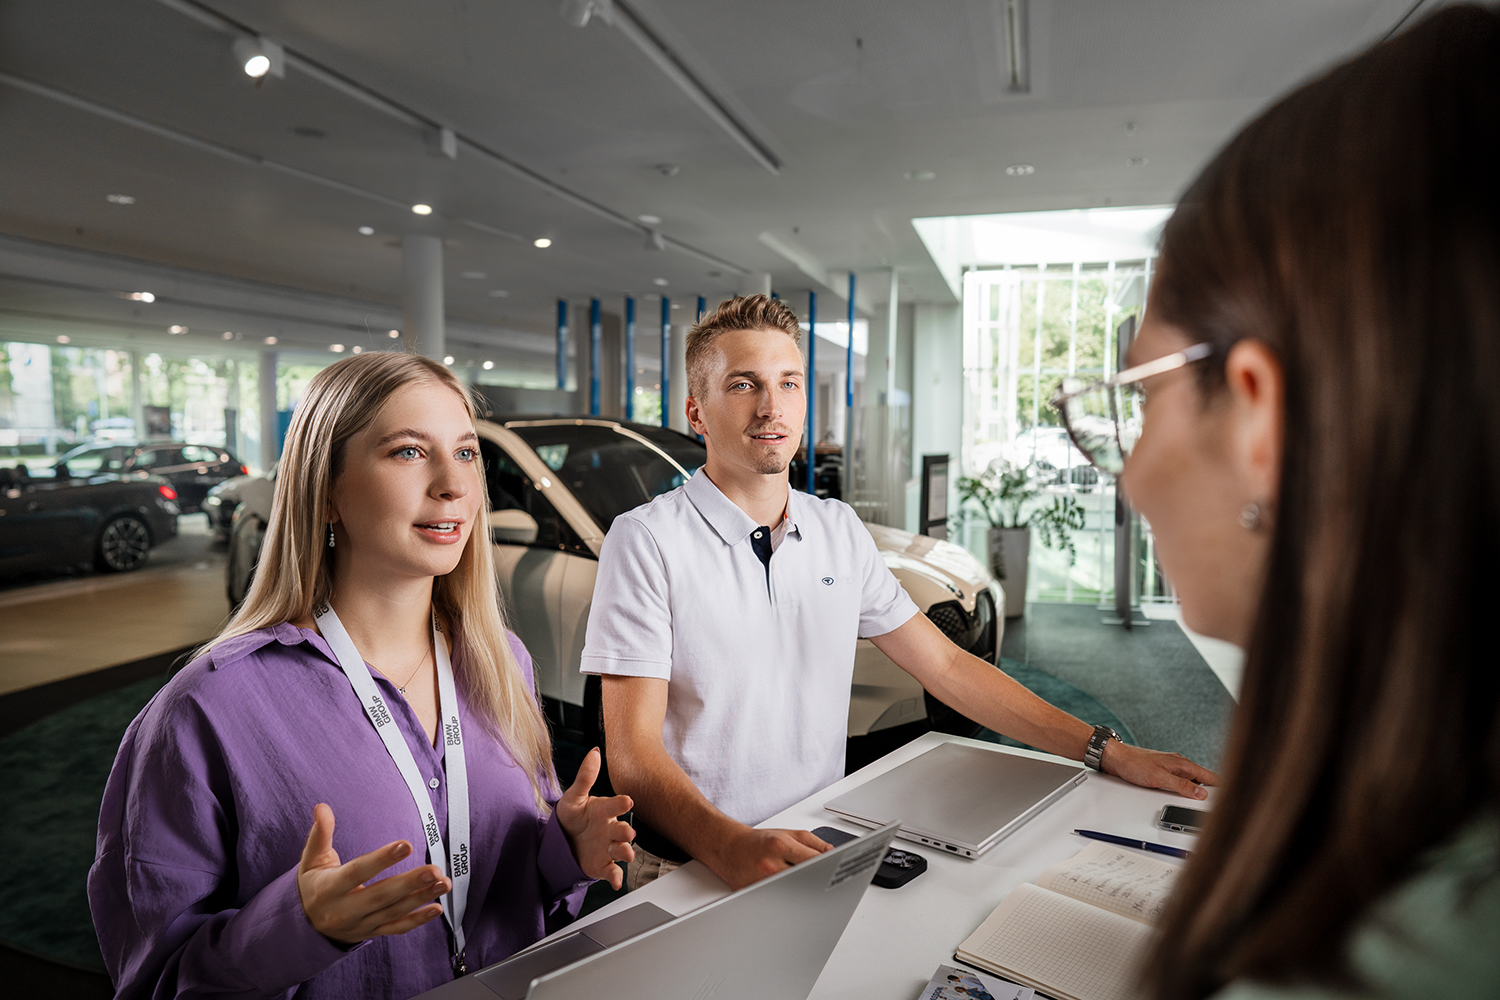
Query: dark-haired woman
[1320,463]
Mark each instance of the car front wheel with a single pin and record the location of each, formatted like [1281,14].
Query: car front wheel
[124,545]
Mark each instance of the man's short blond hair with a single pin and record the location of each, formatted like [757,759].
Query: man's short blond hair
[743,312]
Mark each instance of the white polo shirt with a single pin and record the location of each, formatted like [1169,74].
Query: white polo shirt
[758,662]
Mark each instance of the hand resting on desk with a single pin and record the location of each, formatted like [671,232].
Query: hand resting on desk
[1170,772]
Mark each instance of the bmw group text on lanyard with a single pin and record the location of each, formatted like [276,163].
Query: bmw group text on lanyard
[456,862]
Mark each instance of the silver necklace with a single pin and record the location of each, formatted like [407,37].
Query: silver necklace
[409,677]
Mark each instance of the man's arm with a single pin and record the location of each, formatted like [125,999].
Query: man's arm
[993,699]
[635,709]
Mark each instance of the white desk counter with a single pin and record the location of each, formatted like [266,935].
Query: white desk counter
[899,936]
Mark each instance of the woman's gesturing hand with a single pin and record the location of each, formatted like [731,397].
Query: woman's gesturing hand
[597,836]
[346,910]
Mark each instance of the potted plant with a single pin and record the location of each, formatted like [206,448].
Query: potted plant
[1007,495]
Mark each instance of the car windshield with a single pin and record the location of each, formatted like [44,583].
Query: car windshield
[611,472]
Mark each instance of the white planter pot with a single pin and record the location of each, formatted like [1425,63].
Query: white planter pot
[1010,560]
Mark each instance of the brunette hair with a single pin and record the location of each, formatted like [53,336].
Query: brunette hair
[1353,228]
[746,312]
[295,571]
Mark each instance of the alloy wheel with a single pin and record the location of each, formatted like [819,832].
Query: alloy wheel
[124,544]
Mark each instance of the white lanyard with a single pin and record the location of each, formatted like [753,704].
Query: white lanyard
[456,863]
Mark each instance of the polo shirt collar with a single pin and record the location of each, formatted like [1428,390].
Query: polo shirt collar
[732,523]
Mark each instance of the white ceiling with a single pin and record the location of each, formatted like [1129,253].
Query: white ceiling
[1129,97]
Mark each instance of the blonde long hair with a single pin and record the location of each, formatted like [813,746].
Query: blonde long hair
[295,572]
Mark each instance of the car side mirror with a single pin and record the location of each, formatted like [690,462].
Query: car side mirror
[512,527]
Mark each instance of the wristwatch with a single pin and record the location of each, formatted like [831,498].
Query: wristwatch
[1094,755]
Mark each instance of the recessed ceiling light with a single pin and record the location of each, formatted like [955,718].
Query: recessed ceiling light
[394,334]
[488,365]
[358,349]
[676,305]
[259,56]
[336,348]
[367,230]
[146,297]
[270,341]
[668,169]
[120,199]
[919,175]
[660,281]
[177,330]
[542,243]
[473,275]
[421,209]
[448,359]
[65,339]
[650,220]
[498,293]
[1020,170]
[227,335]
[1139,161]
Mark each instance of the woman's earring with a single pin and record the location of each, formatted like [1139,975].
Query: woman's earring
[1249,518]
[330,535]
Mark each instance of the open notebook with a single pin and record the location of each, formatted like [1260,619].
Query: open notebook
[1081,931]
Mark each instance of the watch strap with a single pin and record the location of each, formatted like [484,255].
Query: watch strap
[1094,755]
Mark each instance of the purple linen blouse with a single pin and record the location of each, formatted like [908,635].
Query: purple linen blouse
[194,884]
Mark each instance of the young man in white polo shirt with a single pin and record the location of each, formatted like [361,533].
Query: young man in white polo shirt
[724,623]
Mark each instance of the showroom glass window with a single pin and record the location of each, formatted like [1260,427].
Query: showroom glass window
[1025,329]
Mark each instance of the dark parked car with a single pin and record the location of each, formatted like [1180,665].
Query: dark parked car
[107,520]
[192,469]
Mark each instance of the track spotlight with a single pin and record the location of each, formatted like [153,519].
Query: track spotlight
[259,57]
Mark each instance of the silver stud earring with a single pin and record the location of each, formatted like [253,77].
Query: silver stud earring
[1249,516]
[330,535]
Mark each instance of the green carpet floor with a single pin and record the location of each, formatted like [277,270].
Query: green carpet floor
[1062,694]
[52,775]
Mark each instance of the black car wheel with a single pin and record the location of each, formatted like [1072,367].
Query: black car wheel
[124,545]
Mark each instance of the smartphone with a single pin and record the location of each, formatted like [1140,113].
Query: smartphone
[898,868]
[1181,819]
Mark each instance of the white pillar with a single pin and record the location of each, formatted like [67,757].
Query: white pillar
[890,344]
[137,399]
[266,389]
[677,386]
[232,404]
[422,294]
[756,283]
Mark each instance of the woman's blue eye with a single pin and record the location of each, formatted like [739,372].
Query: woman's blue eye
[466,454]
[410,451]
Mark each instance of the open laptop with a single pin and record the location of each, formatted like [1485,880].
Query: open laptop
[769,939]
[959,798]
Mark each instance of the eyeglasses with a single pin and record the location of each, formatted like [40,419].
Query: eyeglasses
[1104,417]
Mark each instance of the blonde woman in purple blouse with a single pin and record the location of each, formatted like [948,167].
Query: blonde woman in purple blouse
[367,681]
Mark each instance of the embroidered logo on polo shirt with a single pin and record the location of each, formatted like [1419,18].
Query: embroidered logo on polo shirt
[828,581]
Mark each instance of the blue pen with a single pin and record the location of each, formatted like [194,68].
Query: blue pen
[1141,845]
